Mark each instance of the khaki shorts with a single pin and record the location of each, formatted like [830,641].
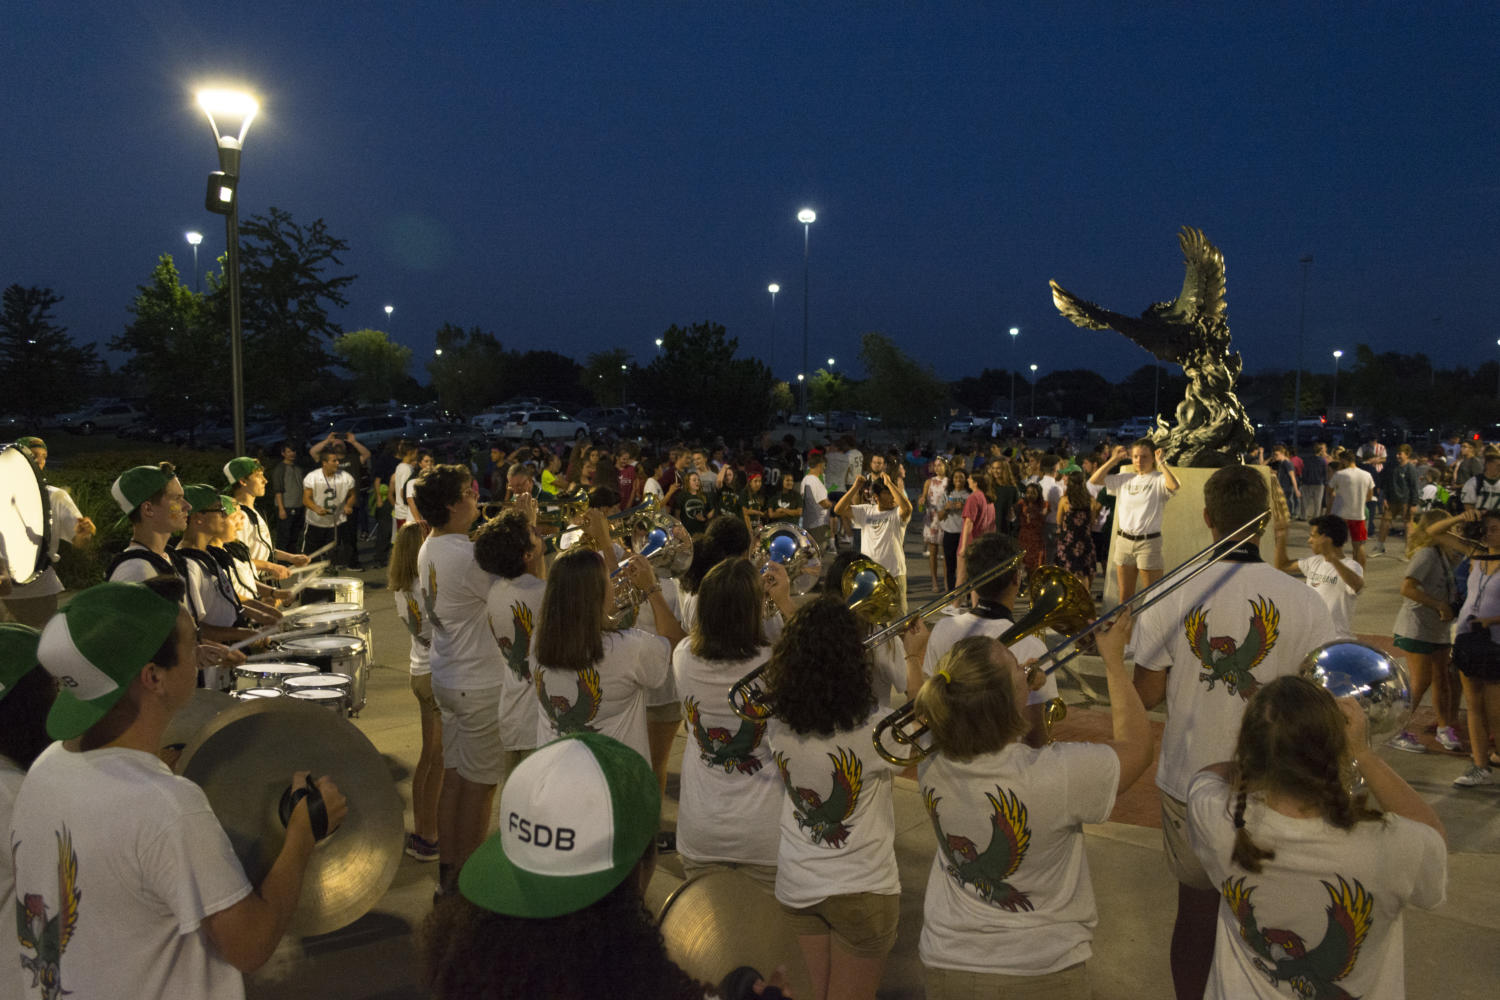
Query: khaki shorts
[1064,984]
[670,712]
[421,686]
[862,923]
[1145,554]
[762,875]
[1181,861]
[471,733]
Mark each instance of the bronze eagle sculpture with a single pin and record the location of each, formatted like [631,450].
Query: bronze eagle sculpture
[1193,332]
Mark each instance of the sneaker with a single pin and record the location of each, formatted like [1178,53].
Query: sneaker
[421,848]
[1447,738]
[1475,775]
[1376,550]
[1405,740]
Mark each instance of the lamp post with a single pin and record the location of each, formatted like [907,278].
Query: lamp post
[1155,387]
[1015,331]
[807,217]
[658,343]
[1306,261]
[223,198]
[1333,407]
[1497,382]
[773,288]
[194,238]
[388,311]
[1033,392]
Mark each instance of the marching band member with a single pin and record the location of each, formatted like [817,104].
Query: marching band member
[1311,884]
[1010,906]
[247,481]
[25,696]
[427,777]
[731,792]
[35,602]
[836,876]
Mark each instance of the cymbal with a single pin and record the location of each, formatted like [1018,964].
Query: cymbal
[197,713]
[244,759]
[722,920]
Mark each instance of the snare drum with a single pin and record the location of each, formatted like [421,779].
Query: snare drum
[332,655]
[297,618]
[250,694]
[332,689]
[334,589]
[340,618]
[25,516]
[270,673]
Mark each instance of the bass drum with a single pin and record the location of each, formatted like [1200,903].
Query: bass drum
[25,515]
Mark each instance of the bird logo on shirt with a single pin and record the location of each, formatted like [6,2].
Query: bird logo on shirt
[987,872]
[1284,956]
[429,597]
[516,646]
[49,937]
[718,747]
[414,620]
[572,716]
[1225,660]
[824,820]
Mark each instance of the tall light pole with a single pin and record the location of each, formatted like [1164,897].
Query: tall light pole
[223,198]
[1155,387]
[194,238]
[1033,392]
[1015,332]
[388,311]
[807,217]
[1332,407]
[1497,383]
[1306,261]
[773,288]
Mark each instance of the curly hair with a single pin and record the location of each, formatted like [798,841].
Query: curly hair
[501,544]
[1292,740]
[970,703]
[611,948]
[818,674]
[439,488]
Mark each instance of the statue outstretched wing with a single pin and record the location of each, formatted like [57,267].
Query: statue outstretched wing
[1202,296]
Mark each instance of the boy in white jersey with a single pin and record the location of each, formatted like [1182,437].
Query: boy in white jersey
[1337,579]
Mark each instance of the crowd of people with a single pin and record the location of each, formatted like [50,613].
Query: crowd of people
[556,677]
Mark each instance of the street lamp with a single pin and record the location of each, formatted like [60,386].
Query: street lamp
[1333,407]
[1306,261]
[194,238]
[223,198]
[388,311]
[1033,391]
[773,288]
[1015,332]
[807,217]
[658,343]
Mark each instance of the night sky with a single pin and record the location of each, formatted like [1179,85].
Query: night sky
[579,176]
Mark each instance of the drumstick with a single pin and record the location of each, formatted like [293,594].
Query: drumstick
[256,636]
[310,567]
[314,555]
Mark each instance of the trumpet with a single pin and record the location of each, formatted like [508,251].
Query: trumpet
[564,510]
[906,729]
[620,525]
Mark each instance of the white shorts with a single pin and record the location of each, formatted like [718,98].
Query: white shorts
[1181,861]
[471,733]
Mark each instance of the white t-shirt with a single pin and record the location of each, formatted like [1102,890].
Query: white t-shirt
[10,784]
[1141,500]
[645,620]
[330,493]
[65,518]
[652,488]
[608,697]
[1321,881]
[139,570]
[403,475]
[1338,595]
[882,535]
[1052,492]
[256,534]
[454,595]
[947,632]
[837,469]
[1481,493]
[814,514]
[856,459]
[208,602]
[1234,627]
[1009,892]
[514,606]
[1352,489]
[133,857]
[730,801]
[409,610]
[838,825]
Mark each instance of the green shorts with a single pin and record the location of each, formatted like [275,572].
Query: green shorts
[1417,645]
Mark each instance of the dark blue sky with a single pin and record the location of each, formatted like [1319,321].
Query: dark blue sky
[579,176]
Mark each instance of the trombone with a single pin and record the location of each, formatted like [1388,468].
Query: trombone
[576,535]
[906,729]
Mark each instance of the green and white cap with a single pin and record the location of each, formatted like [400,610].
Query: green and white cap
[136,486]
[575,817]
[201,497]
[17,653]
[240,468]
[96,646]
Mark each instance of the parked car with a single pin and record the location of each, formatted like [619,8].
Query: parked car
[1136,427]
[541,423]
[372,430]
[619,419]
[452,441]
[105,416]
[490,421]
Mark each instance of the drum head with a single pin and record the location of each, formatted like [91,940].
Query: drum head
[297,617]
[324,645]
[273,668]
[329,695]
[249,693]
[313,682]
[25,515]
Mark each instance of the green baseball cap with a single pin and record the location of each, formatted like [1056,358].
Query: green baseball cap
[240,468]
[202,497]
[575,818]
[96,646]
[17,653]
[136,486]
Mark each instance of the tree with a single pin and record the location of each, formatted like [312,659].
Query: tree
[284,303]
[177,356]
[902,392]
[695,380]
[1073,392]
[544,373]
[606,375]
[828,391]
[377,363]
[40,366]
[467,369]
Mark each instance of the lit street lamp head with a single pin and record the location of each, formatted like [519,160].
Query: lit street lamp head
[1338,354]
[1015,331]
[194,238]
[773,288]
[807,216]
[232,107]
